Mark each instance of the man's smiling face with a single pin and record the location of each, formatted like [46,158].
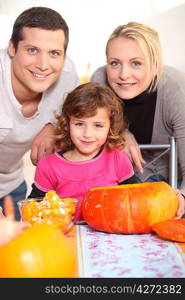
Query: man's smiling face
[37,62]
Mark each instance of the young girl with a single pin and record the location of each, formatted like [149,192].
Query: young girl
[90,133]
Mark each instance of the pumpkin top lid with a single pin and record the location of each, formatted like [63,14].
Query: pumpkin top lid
[132,185]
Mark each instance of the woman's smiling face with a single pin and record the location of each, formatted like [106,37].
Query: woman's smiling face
[127,70]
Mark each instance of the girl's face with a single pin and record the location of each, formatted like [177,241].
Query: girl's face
[88,134]
[126,68]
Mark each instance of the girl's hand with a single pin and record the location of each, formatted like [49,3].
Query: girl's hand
[181,207]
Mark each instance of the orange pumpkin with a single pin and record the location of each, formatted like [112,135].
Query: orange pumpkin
[131,208]
[173,230]
[40,251]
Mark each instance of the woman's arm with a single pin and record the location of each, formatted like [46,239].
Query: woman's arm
[133,151]
[171,94]
[181,207]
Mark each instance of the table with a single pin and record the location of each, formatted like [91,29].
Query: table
[102,255]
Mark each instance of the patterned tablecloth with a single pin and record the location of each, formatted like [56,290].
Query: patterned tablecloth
[139,255]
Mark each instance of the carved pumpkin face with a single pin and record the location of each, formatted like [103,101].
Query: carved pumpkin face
[41,251]
[131,208]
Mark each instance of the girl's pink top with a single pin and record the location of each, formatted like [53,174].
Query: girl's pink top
[74,179]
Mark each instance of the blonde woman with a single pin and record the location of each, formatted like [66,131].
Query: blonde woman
[153,96]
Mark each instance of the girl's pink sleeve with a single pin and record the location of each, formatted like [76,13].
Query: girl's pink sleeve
[44,178]
[123,165]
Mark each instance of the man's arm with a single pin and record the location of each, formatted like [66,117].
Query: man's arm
[43,144]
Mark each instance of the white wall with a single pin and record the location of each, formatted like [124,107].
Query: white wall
[170,24]
[92,21]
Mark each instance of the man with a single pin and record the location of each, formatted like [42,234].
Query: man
[35,75]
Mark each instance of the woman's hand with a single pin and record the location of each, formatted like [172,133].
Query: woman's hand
[43,144]
[133,151]
[181,207]
[9,228]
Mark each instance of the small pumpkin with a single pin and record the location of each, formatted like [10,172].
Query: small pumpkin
[131,208]
[173,230]
[40,251]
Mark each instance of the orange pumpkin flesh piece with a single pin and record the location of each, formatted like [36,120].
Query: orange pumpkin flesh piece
[49,210]
[40,251]
[131,208]
[173,230]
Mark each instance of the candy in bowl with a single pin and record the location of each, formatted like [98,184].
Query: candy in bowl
[50,210]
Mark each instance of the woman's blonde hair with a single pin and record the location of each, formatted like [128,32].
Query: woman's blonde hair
[84,101]
[148,40]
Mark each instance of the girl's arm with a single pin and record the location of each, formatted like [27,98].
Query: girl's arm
[36,193]
[44,179]
[132,179]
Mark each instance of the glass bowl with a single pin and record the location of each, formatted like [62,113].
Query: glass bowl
[54,210]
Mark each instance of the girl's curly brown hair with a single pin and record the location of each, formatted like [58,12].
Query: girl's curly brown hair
[84,101]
